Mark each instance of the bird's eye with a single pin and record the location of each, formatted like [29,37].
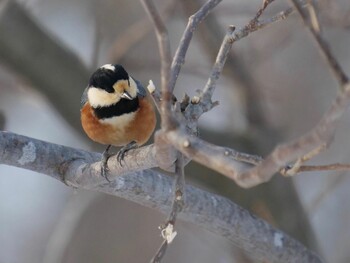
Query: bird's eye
[103,79]
[108,88]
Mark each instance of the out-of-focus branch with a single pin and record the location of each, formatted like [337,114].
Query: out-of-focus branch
[333,14]
[2,120]
[136,32]
[333,64]
[151,189]
[42,60]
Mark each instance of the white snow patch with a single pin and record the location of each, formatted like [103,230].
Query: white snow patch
[28,154]
[120,182]
[215,202]
[277,240]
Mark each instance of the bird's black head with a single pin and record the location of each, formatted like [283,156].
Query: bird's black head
[109,85]
[106,76]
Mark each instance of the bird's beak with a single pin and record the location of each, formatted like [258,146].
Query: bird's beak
[126,95]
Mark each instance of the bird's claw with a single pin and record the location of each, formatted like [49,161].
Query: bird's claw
[122,152]
[104,166]
[104,171]
[121,155]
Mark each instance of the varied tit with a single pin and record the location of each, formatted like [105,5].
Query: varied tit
[116,111]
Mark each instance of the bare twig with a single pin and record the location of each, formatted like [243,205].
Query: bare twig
[278,17]
[165,55]
[218,65]
[256,24]
[179,191]
[333,64]
[327,167]
[290,171]
[226,45]
[181,51]
[160,252]
[204,102]
[243,157]
[283,154]
[314,22]
[167,231]
[214,156]
[256,159]
[211,37]
[260,11]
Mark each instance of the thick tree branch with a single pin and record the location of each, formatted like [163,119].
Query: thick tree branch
[151,189]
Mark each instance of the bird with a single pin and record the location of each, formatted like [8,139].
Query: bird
[116,111]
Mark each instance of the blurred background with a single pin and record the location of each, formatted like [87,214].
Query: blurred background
[275,87]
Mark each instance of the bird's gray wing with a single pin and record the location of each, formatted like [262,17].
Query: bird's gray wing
[84,97]
[141,90]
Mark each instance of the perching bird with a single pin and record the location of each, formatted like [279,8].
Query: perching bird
[116,111]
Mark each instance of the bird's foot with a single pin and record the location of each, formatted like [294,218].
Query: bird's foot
[124,150]
[104,166]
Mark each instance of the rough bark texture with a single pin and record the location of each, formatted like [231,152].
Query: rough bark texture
[153,189]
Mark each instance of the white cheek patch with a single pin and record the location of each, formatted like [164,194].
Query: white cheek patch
[108,66]
[101,98]
[133,88]
[120,121]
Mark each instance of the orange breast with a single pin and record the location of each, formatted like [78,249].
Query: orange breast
[139,129]
[142,127]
